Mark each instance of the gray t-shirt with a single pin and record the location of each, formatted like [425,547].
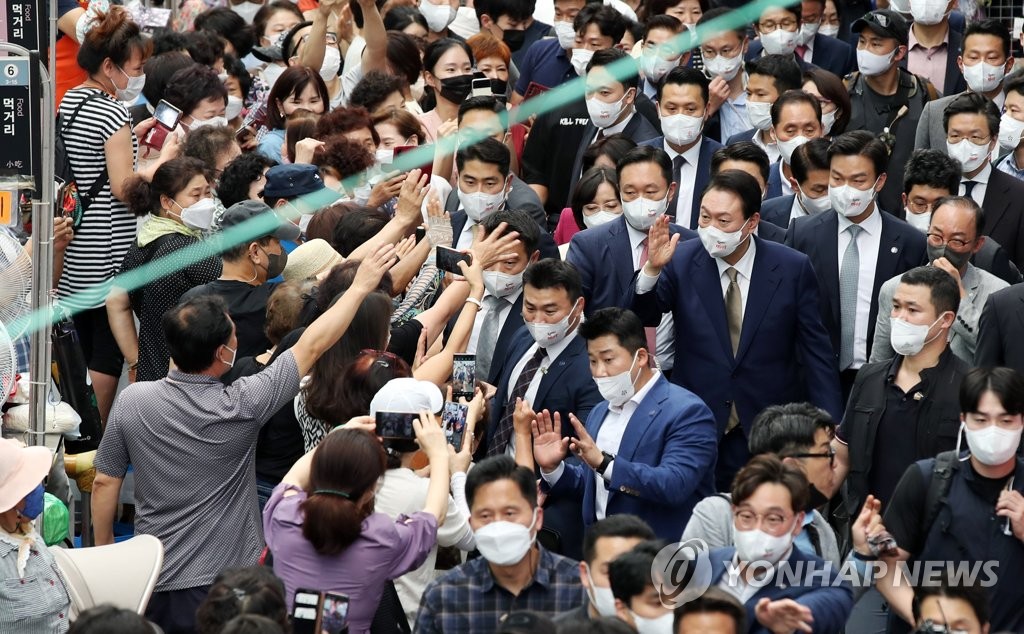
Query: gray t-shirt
[192,443]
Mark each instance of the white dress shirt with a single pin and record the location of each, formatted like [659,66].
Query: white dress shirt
[665,334]
[868,243]
[609,438]
[687,180]
[787,188]
[465,240]
[981,183]
[809,53]
[771,149]
[483,314]
[796,210]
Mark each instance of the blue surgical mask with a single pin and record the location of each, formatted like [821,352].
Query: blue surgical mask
[34,503]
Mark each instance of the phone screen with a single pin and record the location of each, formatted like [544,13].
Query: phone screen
[447,259]
[481,87]
[453,422]
[334,614]
[305,612]
[464,375]
[167,115]
[427,167]
[396,425]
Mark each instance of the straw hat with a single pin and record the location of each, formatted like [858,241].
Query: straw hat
[309,260]
[21,470]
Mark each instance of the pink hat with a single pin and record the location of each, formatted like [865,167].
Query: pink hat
[21,470]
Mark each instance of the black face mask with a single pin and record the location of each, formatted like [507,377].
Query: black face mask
[958,260]
[816,499]
[456,89]
[275,263]
[499,88]
[513,39]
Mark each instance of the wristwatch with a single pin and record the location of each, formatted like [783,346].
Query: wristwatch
[605,462]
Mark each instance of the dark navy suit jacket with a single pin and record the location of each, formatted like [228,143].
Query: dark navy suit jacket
[604,258]
[639,129]
[664,464]
[512,324]
[777,211]
[746,135]
[707,149]
[768,231]
[547,246]
[774,185]
[830,603]
[900,249]
[831,54]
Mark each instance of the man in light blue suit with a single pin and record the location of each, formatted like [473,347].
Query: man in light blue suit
[746,314]
[647,450]
[783,588]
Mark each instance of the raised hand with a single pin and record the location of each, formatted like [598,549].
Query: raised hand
[522,418]
[385,190]
[373,267]
[474,274]
[784,616]
[431,437]
[584,446]
[410,197]
[494,247]
[718,93]
[660,246]
[549,448]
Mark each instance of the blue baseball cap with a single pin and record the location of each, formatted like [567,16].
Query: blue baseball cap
[248,209]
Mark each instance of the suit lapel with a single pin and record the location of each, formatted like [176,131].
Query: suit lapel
[764,279]
[997,200]
[643,418]
[459,219]
[890,244]
[589,131]
[829,255]
[708,284]
[619,245]
[513,322]
[558,367]
[703,176]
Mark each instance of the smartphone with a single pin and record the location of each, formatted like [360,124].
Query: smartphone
[305,611]
[167,116]
[464,376]
[333,614]
[481,87]
[421,232]
[427,168]
[396,425]
[453,422]
[534,89]
[447,259]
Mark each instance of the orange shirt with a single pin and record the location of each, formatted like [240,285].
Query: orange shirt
[69,73]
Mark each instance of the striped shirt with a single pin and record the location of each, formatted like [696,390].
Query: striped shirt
[108,227]
[192,443]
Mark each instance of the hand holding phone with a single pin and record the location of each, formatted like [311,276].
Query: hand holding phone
[448,259]
[464,376]
[396,425]
[453,422]
[167,117]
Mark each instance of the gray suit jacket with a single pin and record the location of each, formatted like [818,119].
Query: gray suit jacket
[964,334]
[931,133]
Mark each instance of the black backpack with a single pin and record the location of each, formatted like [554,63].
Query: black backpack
[70,200]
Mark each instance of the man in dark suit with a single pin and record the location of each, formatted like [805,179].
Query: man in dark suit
[1001,330]
[546,369]
[796,119]
[856,248]
[928,41]
[809,165]
[972,131]
[767,78]
[611,105]
[746,156]
[771,496]
[683,107]
[748,323]
[812,48]
[646,450]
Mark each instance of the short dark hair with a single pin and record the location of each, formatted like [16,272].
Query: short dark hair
[586,189]
[789,7]
[498,468]
[602,625]
[782,68]
[482,102]
[108,619]
[228,25]
[400,17]
[515,9]
[251,624]
[795,97]
[194,330]
[1006,383]
[787,429]
[989,26]
[613,146]
[236,591]
[620,322]
[486,151]
[209,143]
[945,294]
[159,69]
[932,168]
[769,469]
[555,273]
[646,154]
[356,227]
[1014,82]
[610,22]
[740,29]
[743,151]
[239,175]
[656,7]
[740,184]
[968,203]
[623,525]
[662,21]
[861,143]
[713,601]
[810,156]
[629,574]
[519,221]
[972,103]
[373,89]
[947,588]
[345,120]
[685,76]
[204,47]
[626,72]
[190,85]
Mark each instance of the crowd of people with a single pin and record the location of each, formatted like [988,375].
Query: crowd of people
[724,337]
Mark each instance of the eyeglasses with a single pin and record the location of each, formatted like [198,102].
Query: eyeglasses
[920,207]
[788,24]
[976,139]
[830,454]
[748,520]
[937,240]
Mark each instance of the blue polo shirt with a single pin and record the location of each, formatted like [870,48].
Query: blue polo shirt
[545,63]
[534,33]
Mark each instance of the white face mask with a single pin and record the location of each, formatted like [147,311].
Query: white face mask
[598,218]
[928,12]
[982,77]
[850,201]
[332,64]
[813,205]
[660,625]
[566,34]
[786,148]
[234,355]
[199,215]
[642,213]
[579,60]
[757,545]
[779,42]
[908,339]
[502,284]
[304,221]
[234,107]
[212,121]
[992,445]
[681,129]
[654,66]
[132,91]
[417,88]
[247,10]
[971,156]
[601,598]
[619,388]
[271,73]
[604,114]
[900,6]
[385,156]
[832,31]
[718,243]
[361,194]
[547,335]
[828,119]
[479,205]
[807,32]
[759,113]
[870,64]
[438,16]
[505,543]
[724,67]
[1010,131]
[921,222]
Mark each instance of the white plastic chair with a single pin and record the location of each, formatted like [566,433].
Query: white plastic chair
[122,574]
